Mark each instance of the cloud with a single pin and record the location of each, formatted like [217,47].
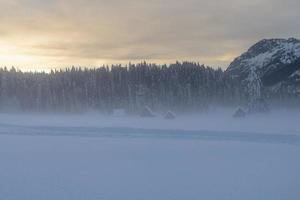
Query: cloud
[62,33]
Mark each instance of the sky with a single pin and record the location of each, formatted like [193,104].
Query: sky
[44,34]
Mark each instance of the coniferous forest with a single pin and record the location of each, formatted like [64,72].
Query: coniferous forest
[181,87]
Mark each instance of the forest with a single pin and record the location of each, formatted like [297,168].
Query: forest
[181,87]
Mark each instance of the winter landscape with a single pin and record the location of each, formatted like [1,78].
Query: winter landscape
[149,100]
[99,157]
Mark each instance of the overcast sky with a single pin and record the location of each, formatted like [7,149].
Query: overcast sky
[43,34]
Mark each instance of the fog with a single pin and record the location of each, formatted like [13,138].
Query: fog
[204,156]
[220,120]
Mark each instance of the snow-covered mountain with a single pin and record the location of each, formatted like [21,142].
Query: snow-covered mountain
[275,61]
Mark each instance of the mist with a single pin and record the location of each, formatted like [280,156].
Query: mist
[211,155]
[132,119]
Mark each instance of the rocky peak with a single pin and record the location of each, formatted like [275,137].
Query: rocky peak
[274,60]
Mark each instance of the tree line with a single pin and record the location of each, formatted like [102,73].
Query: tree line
[181,87]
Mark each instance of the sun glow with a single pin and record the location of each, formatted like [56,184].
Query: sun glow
[13,58]
[28,59]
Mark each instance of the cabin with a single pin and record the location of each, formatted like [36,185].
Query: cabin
[239,113]
[170,115]
[147,112]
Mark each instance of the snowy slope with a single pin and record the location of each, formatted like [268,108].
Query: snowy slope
[209,156]
[296,74]
[274,60]
[43,167]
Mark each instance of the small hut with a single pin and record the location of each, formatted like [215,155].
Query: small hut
[239,113]
[170,115]
[147,112]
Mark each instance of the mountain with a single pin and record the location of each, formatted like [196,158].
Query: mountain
[276,61]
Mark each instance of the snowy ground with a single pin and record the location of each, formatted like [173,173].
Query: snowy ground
[194,157]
